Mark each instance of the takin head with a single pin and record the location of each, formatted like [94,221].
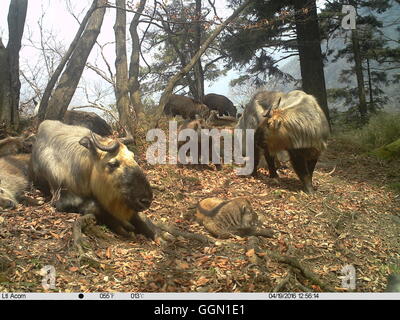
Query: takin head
[116,179]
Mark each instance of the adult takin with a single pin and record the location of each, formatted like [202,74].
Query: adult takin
[83,170]
[222,104]
[292,122]
[224,219]
[185,107]
[88,120]
[15,145]
[13,179]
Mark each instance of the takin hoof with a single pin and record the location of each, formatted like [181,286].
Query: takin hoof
[309,189]
[7,203]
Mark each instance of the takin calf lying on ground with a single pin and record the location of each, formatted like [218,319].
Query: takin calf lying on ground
[224,219]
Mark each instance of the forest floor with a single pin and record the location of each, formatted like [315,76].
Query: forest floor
[352,219]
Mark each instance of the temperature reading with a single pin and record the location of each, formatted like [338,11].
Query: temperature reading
[106,295]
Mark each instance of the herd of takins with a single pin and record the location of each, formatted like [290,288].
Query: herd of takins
[83,169]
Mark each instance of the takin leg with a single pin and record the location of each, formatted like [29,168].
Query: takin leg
[312,156]
[143,225]
[301,167]
[257,152]
[65,201]
[122,228]
[271,164]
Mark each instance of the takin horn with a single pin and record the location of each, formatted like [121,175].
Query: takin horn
[108,148]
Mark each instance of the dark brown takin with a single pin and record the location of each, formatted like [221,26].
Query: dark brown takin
[226,218]
[185,107]
[88,120]
[220,103]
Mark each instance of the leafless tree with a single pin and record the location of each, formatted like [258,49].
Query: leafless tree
[126,113]
[76,57]
[10,84]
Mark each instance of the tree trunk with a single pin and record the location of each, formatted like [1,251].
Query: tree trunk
[362,103]
[9,61]
[134,85]
[198,69]
[54,77]
[5,89]
[371,94]
[69,80]
[171,83]
[309,46]
[127,117]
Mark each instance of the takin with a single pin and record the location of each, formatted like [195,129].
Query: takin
[89,120]
[220,103]
[13,179]
[91,174]
[292,122]
[186,107]
[251,118]
[15,145]
[224,219]
[201,128]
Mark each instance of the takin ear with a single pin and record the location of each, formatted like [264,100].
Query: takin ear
[87,142]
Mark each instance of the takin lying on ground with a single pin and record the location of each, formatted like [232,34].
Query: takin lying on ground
[90,174]
[224,219]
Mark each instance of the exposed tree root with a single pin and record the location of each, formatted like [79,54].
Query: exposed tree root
[282,284]
[78,227]
[292,261]
[305,272]
[188,235]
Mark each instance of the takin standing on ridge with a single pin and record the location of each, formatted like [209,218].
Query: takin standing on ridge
[185,107]
[292,122]
[83,170]
[197,125]
[13,179]
[89,120]
[224,219]
[220,103]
